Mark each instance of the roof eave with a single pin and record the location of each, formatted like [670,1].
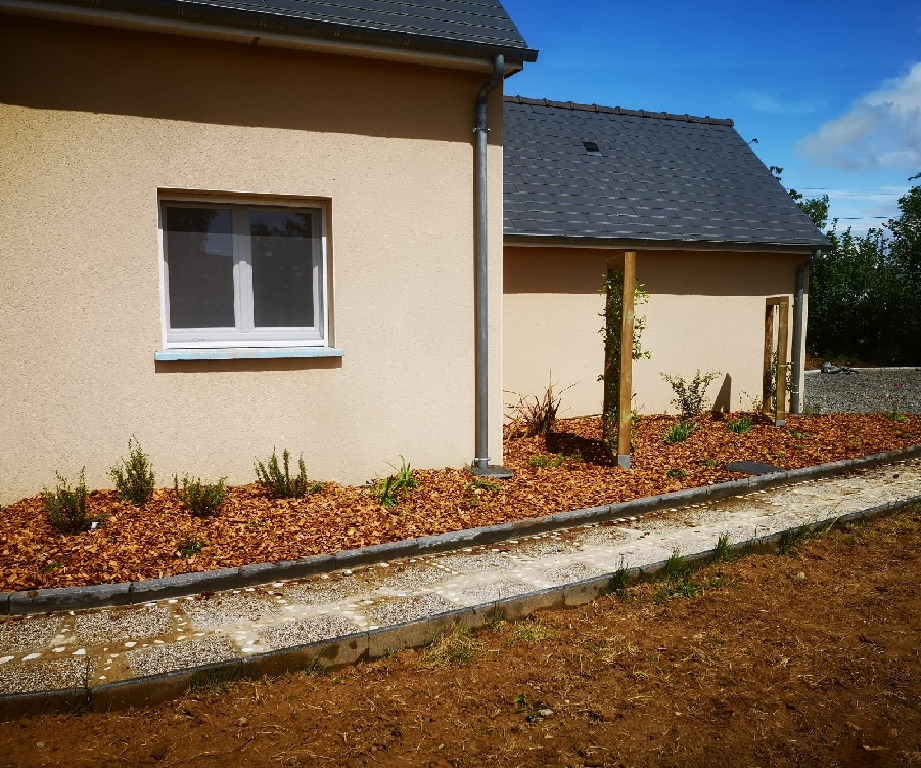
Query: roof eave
[192,18]
[549,241]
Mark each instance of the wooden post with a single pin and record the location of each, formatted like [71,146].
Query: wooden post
[766,383]
[625,421]
[780,414]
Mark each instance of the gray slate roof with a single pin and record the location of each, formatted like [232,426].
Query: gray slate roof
[657,177]
[464,27]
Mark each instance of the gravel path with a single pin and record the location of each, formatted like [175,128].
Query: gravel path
[870,390]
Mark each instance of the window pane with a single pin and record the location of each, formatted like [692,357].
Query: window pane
[199,252]
[282,264]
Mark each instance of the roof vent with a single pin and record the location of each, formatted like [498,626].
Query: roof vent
[591,148]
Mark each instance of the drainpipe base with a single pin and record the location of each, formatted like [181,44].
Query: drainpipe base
[492,470]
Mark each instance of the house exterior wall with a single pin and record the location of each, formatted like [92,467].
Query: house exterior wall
[94,121]
[705,311]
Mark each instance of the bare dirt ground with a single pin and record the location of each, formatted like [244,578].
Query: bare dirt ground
[812,659]
[563,471]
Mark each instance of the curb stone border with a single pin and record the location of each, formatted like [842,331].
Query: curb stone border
[138,592]
[370,645]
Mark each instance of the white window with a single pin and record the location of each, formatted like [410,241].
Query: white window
[243,275]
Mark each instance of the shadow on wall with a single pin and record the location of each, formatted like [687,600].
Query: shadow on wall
[53,65]
[723,400]
[681,273]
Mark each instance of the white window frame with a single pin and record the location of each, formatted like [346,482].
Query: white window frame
[244,334]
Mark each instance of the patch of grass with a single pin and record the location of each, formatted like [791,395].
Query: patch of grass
[708,462]
[495,620]
[190,545]
[532,630]
[482,484]
[676,474]
[898,418]
[386,491]
[677,580]
[454,648]
[134,478]
[621,579]
[277,481]
[741,425]
[214,680]
[200,499]
[404,479]
[723,551]
[66,507]
[679,433]
[51,565]
[316,668]
[545,461]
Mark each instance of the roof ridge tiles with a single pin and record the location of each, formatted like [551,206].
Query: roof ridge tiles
[578,107]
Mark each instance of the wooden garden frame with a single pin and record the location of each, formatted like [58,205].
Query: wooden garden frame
[776,305]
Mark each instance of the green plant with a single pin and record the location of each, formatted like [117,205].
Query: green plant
[740,425]
[533,712]
[678,579]
[544,461]
[482,484]
[456,647]
[386,491]
[277,481]
[66,507]
[723,552]
[51,565]
[620,580]
[200,499]
[404,480]
[532,630]
[190,545]
[690,395]
[533,415]
[898,418]
[708,462]
[134,479]
[680,432]
[791,539]
[676,474]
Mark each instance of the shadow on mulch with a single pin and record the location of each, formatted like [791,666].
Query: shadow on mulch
[590,449]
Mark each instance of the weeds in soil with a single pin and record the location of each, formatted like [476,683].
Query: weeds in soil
[544,461]
[66,507]
[679,433]
[200,499]
[456,647]
[741,425]
[386,491]
[533,712]
[791,539]
[134,479]
[621,579]
[532,630]
[723,551]
[690,396]
[533,415]
[214,680]
[190,545]
[495,620]
[276,479]
[676,474]
[677,580]
[404,479]
[316,668]
[482,484]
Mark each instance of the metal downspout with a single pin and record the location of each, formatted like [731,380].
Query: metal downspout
[481,278]
[799,311]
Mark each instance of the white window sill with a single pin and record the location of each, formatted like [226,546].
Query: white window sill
[243,353]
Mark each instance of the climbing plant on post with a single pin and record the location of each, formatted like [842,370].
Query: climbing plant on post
[619,353]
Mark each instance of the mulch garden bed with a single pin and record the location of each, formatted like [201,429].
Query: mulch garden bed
[563,471]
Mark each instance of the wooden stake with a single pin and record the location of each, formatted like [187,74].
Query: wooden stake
[780,414]
[766,383]
[626,361]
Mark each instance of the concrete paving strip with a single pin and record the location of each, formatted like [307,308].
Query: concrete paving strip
[138,655]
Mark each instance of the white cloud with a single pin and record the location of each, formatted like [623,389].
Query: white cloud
[881,130]
[771,105]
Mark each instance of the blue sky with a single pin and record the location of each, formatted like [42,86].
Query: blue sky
[831,90]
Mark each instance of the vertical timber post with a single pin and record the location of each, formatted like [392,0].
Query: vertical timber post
[620,294]
[780,412]
[766,383]
[775,382]
[626,361]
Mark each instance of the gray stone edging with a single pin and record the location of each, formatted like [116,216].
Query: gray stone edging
[369,645]
[134,593]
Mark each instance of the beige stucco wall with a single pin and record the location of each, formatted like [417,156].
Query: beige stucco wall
[93,121]
[706,311]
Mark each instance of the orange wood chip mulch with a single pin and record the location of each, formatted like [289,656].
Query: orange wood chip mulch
[143,543]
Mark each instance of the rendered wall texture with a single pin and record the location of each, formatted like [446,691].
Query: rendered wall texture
[94,121]
[706,311]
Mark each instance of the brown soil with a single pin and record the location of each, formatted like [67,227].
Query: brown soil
[140,543]
[809,660]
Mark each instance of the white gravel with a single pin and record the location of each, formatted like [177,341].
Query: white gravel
[870,390]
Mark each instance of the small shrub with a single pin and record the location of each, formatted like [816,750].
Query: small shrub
[741,425]
[676,474]
[66,507]
[277,480]
[679,433]
[200,499]
[134,479]
[404,480]
[533,415]
[190,545]
[690,395]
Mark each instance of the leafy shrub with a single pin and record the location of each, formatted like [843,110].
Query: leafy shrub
[134,479]
[741,425]
[533,415]
[680,432]
[66,507]
[690,396]
[277,480]
[200,499]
